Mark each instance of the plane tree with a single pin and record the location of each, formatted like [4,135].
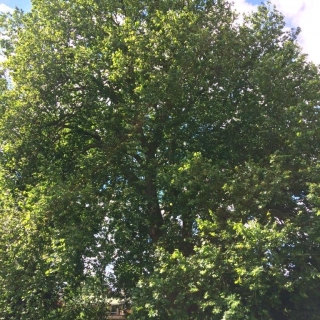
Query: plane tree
[167,141]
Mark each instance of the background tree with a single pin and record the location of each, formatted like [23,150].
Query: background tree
[165,139]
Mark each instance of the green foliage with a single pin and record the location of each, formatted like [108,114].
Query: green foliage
[168,142]
[254,271]
[251,262]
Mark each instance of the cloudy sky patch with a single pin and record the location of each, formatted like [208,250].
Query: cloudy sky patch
[5,8]
[298,13]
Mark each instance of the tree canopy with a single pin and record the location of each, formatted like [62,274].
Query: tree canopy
[164,152]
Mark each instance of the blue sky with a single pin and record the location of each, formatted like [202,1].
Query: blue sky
[302,13]
[22,4]
[255,2]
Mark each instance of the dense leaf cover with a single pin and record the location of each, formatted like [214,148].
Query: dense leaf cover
[165,152]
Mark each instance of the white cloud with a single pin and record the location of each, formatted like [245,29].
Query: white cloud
[298,13]
[305,14]
[242,6]
[290,8]
[5,8]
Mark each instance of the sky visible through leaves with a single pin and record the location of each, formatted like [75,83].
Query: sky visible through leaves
[302,13]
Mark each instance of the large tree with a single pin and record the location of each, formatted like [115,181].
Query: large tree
[164,140]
